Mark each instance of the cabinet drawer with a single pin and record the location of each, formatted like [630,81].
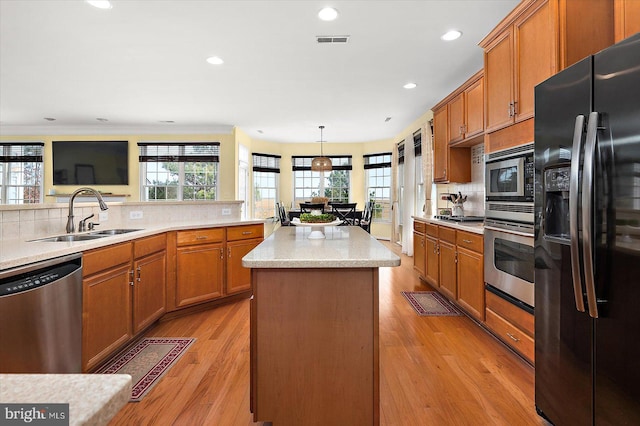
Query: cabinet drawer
[148,245]
[447,234]
[419,226]
[104,258]
[200,236]
[432,230]
[518,317]
[245,232]
[511,335]
[470,241]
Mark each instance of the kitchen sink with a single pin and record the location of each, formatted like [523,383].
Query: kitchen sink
[70,238]
[106,232]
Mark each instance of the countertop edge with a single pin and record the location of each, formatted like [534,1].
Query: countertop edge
[478,228]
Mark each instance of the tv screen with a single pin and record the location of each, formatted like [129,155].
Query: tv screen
[90,162]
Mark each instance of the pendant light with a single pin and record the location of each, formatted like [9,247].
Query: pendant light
[322,163]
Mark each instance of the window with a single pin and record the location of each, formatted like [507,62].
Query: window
[179,171]
[419,176]
[266,184]
[21,173]
[335,185]
[377,169]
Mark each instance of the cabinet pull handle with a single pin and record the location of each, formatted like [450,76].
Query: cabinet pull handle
[139,273]
[512,337]
[221,253]
[445,172]
[201,237]
[247,232]
[515,108]
[466,241]
[131,272]
[455,259]
[229,251]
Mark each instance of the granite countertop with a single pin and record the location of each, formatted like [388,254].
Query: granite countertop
[93,398]
[343,247]
[474,227]
[18,252]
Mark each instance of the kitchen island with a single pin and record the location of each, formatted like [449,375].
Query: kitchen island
[314,326]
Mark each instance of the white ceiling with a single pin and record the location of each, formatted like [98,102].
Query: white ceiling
[143,61]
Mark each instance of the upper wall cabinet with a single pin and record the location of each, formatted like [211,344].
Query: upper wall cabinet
[627,18]
[536,40]
[466,110]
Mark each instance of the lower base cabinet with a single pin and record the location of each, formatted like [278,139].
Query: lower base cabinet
[511,324]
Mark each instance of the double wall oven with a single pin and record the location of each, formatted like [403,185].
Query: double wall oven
[508,235]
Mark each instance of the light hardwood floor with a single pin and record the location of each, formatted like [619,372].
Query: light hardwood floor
[433,370]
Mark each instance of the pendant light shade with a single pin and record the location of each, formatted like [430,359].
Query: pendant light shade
[322,163]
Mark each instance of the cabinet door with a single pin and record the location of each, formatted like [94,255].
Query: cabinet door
[440,145]
[627,18]
[471,282]
[432,267]
[455,111]
[106,314]
[149,290]
[199,272]
[238,277]
[534,57]
[498,76]
[474,109]
[448,284]
[419,253]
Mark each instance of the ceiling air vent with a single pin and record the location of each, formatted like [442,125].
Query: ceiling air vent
[332,39]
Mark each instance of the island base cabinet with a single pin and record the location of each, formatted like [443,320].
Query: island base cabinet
[314,346]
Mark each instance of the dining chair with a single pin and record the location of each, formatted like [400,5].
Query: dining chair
[346,212]
[365,221]
[282,214]
[308,207]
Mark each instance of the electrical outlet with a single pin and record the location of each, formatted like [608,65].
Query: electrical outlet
[135,214]
[226,212]
[102,216]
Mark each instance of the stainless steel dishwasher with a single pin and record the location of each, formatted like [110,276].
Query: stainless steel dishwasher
[41,317]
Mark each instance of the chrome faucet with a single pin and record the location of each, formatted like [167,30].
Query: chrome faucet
[103,205]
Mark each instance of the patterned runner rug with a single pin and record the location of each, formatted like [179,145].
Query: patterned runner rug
[147,362]
[430,303]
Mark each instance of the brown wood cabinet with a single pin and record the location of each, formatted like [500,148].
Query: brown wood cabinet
[627,18]
[466,112]
[199,265]
[419,247]
[511,324]
[471,273]
[123,293]
[455,266]
[536,40]
[240,241]
[449,164]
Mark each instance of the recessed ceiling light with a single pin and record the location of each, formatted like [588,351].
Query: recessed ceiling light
[260,131]
[386,120]
[102,119]
[166,121]
[100,4]
[50,119]
[214,60]
[328,14]
[410,86]
[451,35]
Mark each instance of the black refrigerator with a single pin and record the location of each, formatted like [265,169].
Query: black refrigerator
[587,240]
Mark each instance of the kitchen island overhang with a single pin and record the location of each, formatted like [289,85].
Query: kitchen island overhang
[314,327]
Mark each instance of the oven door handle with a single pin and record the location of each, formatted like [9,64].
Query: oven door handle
[587,212]
[573,212]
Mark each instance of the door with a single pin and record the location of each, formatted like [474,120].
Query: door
[448,276]
[563,334]
[498,76]
[199,271]
[617,241]
[149,290]
[432,263]
[238,277]
[440,145]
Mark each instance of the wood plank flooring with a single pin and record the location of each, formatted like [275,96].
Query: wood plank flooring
[433,370]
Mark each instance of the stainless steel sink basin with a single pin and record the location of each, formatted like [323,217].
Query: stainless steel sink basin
[113,231]
[70,238]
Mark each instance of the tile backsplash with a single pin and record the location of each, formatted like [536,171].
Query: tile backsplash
[35,221]
[474,190]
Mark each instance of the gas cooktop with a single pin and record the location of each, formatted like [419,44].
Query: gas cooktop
[460,218]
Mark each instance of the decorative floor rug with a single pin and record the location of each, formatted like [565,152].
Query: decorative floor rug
[147,362]
[430,303]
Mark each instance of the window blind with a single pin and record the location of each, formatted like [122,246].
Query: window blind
[179,152]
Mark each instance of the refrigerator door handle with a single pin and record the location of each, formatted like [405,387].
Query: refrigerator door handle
[573,212]
[587,212]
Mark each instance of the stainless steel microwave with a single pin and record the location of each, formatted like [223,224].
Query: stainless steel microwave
[509,175]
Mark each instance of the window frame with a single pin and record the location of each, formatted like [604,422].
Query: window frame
[24,154]
[380,164]
[320,183]
[266,167]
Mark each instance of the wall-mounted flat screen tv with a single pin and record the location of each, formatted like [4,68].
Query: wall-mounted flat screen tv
[90,162]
